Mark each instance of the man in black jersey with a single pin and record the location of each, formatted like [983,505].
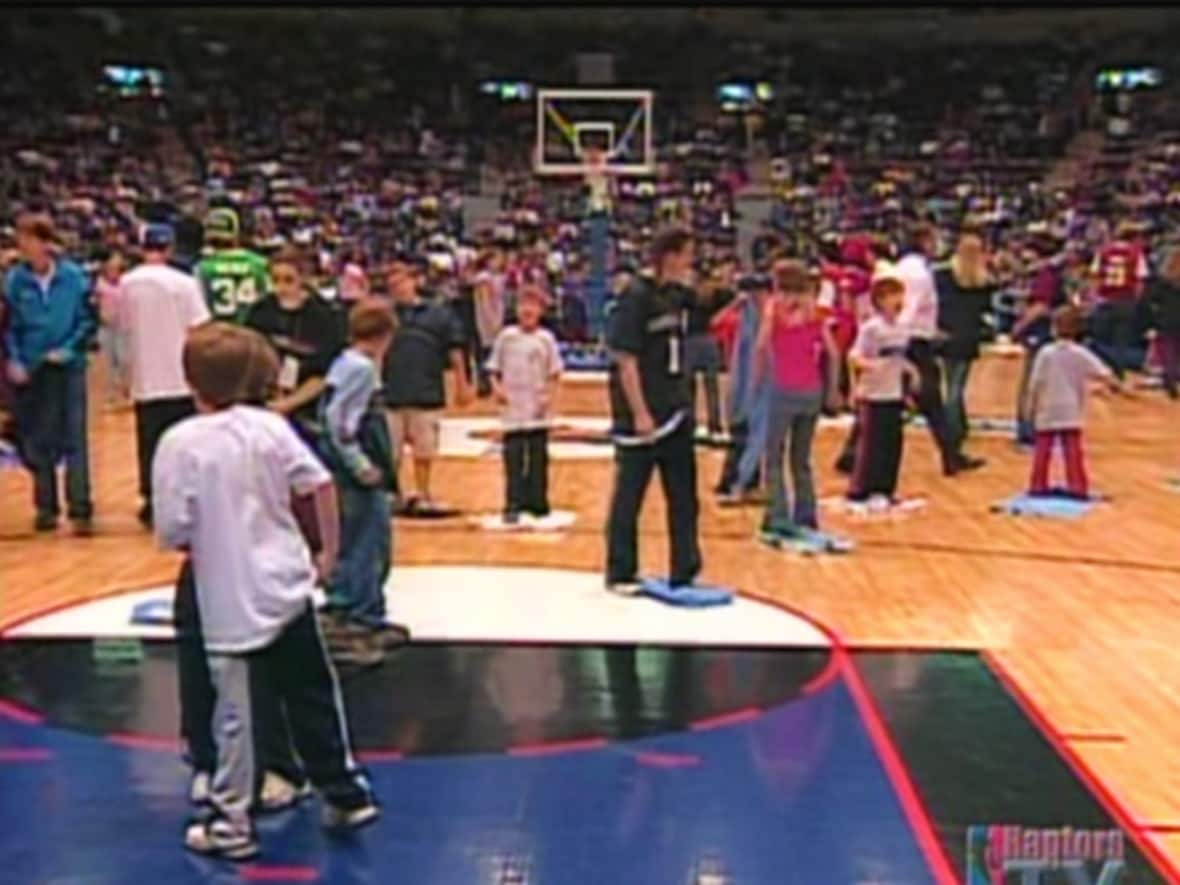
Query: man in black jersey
[651,410]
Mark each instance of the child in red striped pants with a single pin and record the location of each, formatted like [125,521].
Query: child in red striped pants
[1056,402]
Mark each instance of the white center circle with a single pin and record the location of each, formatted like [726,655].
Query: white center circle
[493,605]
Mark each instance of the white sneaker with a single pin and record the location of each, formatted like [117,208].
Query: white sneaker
[279,794]
[625,588]
[879,504]
[198,792]
[218,838]
[336,818]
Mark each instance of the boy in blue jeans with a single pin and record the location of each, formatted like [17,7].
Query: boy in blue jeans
[357,449]
[222,487]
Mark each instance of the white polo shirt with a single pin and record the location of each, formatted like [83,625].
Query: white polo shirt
[157,305]
[222,487]
[919,313]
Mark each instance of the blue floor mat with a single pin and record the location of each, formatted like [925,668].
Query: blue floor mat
[1049,506]
[696,596]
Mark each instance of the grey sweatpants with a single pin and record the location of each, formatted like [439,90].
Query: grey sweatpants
[233,780]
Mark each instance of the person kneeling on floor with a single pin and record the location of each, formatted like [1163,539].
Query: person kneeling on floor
[222,483]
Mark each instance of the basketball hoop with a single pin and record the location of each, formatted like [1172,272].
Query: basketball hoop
[597,179]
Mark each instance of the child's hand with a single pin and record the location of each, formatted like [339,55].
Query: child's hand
[325,562]
[369,476]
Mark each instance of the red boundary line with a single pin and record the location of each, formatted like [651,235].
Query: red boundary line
[266,873]
[143,742]
[733,717]
[899,776]
[17,713]
[907,794]
[21,755]
[1115,807]
[550,748]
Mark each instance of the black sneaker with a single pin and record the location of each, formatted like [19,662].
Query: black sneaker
[83,528]
[964,464]
[45,523]
[216,837]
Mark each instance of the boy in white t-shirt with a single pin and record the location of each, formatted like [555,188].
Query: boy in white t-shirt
[223,481]
[525,366]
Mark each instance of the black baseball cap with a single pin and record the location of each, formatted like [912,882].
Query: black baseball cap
[754,282]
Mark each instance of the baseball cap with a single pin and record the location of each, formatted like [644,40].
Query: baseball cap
[157,236]
[222,223]
[753,282]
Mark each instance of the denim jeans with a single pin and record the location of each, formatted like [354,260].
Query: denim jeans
[957,373]
[750,462]
[790,430]
[703,356]
[51,411]
[357,586]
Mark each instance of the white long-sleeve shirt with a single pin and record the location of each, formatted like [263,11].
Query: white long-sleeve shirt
[919,313]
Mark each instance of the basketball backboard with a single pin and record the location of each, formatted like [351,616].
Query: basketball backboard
[618,121]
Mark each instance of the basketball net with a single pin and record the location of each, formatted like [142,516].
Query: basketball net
[597,180]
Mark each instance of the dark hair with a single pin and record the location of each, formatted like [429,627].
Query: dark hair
[37,224]
[791,276]
[669,242]
[369,319]
[292,256]
[226,364]
[1067,322]
[921,232]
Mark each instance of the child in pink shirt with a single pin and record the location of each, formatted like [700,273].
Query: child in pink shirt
[791,347]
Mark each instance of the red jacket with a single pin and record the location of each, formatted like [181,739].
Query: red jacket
[725,326]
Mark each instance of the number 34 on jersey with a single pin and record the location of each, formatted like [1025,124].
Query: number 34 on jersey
[233,281]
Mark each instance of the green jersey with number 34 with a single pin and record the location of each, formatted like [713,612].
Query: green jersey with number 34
[233,279]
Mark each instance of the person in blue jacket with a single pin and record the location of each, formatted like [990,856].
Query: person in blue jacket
[50,322]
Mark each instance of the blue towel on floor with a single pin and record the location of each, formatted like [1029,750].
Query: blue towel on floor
[696,596]
[153,613]
[1051,506]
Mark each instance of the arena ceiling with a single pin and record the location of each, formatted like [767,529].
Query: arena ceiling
[948,23]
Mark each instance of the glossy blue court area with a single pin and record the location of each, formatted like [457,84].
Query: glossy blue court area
[795,792]
[581,761]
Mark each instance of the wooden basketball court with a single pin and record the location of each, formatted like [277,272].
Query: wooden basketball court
[1079,616]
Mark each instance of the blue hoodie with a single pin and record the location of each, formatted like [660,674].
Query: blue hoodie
[40,321]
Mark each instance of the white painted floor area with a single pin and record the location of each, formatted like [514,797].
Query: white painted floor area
[481,604]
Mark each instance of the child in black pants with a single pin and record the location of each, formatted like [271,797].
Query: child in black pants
[525,366]
[222,482]
[878,359]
